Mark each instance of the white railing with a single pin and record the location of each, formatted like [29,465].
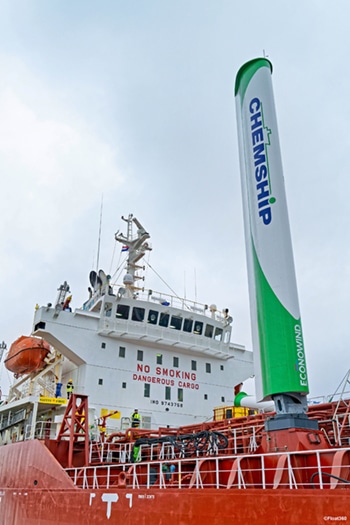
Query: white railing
[42,430]
[175,448]
[173,301]
[328,398]
[324,469]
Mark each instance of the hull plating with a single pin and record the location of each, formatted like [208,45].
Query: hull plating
[173,506]
[36,490]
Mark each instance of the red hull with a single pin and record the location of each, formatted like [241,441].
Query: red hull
[42,493]
[175,507]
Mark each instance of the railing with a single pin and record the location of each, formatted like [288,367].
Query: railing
[136,330]
[174,301]
[328,398]
[224,439]
[42,430]
[240,440]
[324,469]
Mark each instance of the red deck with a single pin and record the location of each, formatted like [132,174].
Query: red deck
[52,483]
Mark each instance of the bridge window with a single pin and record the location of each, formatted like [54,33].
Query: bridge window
[188,323]
[146,390]
[198,328]
[123,311]
[39,325]
[140,355]
[209,330]
[218,334]
[176,322]
[138,314]
[164,319]
[152,317]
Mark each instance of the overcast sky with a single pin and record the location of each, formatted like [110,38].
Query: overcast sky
[133,100]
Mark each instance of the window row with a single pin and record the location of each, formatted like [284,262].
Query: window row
[159,360]
[166,320]
[167,396]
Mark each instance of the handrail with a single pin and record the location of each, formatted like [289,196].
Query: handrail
[292,470]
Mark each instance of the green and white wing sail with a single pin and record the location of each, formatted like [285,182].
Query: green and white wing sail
[276,325]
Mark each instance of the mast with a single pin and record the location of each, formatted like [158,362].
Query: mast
[276,325]
[136,246]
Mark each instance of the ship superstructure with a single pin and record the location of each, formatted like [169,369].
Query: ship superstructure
[129,347]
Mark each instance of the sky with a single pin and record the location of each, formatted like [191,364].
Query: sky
[131,104]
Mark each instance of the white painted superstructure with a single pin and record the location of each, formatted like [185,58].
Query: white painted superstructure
[128,348]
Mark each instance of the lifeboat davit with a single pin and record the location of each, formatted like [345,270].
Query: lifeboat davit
[27,355]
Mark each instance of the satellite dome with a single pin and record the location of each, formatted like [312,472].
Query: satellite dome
[128,279]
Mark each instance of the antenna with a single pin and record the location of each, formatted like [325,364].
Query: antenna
[195,286]
[99,236]
[3,347]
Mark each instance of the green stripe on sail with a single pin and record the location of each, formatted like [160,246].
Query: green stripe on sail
[282,355]
[246,72]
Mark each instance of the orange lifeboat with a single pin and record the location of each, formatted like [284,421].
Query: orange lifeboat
[27,355]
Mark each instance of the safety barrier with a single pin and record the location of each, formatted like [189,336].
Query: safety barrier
[321,469]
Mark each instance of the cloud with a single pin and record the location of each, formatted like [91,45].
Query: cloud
[53,168]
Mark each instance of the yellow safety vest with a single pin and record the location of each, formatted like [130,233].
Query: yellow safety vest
[135,420]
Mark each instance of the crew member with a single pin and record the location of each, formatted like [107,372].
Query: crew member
[70,388]
[58,389]
[135,419]
[136,454]
[66,304]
